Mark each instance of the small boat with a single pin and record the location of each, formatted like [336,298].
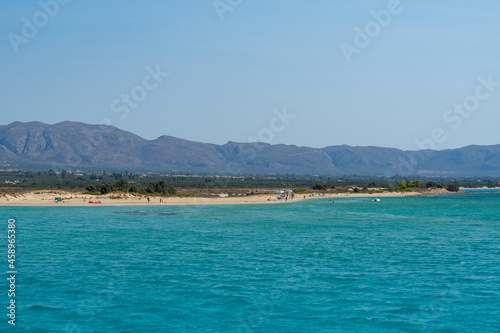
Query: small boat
[376,200]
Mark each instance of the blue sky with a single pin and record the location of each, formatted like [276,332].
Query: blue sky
[225,77]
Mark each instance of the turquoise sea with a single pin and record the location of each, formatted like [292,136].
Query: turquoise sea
[398,265]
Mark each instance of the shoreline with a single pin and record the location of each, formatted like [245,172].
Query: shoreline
[76,199]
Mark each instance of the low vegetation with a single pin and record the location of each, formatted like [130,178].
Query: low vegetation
[159,187]
[169,185]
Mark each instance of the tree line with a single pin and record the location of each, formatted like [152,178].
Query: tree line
[159,187]
[401,187]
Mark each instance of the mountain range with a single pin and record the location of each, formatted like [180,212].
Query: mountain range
[73,145]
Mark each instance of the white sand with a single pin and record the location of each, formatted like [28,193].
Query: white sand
[46,198]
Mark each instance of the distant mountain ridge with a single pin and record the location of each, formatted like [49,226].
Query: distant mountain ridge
[74,145]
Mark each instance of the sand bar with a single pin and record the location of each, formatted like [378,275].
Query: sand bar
[68,198]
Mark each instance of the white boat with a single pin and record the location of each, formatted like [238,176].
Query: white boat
[376,200]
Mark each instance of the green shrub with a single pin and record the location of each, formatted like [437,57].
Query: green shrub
[321,186]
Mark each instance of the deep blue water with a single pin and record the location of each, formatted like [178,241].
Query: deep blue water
[398,265]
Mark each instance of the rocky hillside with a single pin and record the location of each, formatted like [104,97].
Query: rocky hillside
[73,145]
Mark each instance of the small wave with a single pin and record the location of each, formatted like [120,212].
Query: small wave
[147,212]
[39,307]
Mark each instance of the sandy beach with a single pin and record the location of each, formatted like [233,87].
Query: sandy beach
[47,198]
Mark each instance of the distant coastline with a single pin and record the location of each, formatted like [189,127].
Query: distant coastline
[76,198]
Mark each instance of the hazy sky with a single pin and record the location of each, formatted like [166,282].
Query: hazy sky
[384,73]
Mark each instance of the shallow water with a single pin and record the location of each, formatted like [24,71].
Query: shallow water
[398,265]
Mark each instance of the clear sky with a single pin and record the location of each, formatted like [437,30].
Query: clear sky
[230,63]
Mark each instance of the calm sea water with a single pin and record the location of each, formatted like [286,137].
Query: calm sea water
[398,265]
